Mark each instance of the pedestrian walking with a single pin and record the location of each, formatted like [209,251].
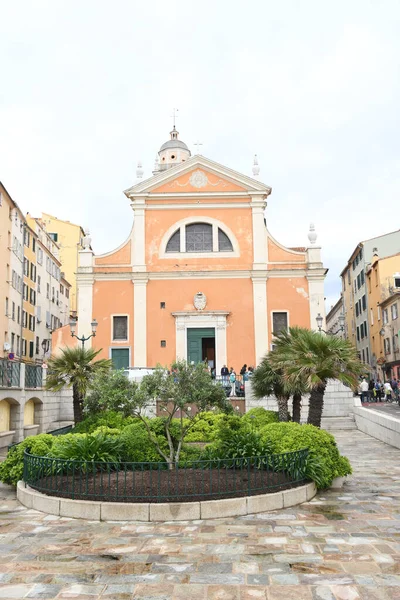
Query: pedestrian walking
[395,387]
[364,390]
[371,389]
[388,391]
[232,381]
[378,390]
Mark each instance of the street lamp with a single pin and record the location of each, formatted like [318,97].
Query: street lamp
[83,339]
[320,319]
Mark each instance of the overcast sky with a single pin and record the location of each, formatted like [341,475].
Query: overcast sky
[313,87]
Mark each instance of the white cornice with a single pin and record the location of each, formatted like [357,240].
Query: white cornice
[202,205]
[205,313]
[232,274]
[198,161]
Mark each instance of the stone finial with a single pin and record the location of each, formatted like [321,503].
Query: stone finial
[256,168]
[87,240]
[139,170]
[312,235]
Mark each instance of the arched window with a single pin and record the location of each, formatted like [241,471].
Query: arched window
[174,243]
[224,243]
[199,237]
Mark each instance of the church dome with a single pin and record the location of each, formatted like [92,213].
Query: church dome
[172,152]
[171,144]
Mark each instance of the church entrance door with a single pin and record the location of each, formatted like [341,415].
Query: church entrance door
[201,345]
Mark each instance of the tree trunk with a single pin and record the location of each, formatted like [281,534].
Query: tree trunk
[296,408]
[282,407]
[78,405]
[316,405]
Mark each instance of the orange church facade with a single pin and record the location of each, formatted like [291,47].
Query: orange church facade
[200,277]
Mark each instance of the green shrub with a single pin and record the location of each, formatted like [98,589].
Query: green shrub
[258,417]
[111,390]
[104,430]
[12,468]
[324,463]
[108,418]
[96,448]
[137,446]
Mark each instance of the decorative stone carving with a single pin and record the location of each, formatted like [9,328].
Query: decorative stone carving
[87,240]
[200,301]
[198,179]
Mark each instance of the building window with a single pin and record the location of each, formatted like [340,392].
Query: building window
[18,314]
[162,304]
[358,334]
[385,316]
[37,349]
[26,267]
[40,256]
[163,343]
[32,297]
[355,285]
[386,345]
[23,347]
[24,319]
[38,284]
[13,311]
[6,308]
[12,342]
[397,281]
[372,316]
[47,290]
[367,354]
[32,324]
[224,243]
[362,277]
[66,292]
[357,312]
[25,292]
[61,288]
[27,239]
[199,237]
[174,243]
[120,328]
[54,236]
[379,313]
[364,302]
[17,347]
[279,322]
[363,355]
[394,311]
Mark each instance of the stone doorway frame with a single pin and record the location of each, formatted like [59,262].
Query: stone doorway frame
[193,319]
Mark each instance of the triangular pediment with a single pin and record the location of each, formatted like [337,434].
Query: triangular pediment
[198,175]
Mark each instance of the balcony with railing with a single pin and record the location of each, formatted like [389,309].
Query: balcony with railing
[14,374]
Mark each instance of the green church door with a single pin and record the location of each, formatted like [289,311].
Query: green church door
[120,358]
[197,346]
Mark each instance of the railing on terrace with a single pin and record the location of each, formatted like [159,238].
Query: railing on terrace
[9,373]
[33,376]
[154,482]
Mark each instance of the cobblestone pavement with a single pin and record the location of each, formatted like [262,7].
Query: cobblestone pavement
[344,545]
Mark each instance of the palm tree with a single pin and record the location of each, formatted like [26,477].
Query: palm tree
[266,381]
[76,368]
[312,358]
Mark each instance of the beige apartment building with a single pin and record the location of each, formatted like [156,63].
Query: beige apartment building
[69,238]
[355,292]
[383,282]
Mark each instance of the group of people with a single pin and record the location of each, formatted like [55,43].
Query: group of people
[376,391]
[245,372]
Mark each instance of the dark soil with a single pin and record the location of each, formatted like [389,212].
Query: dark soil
[183,485]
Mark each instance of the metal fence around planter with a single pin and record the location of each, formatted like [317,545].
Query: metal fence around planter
[33,376]
[154,482]
[9,373]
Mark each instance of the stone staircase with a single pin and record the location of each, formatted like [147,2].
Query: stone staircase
[338,423]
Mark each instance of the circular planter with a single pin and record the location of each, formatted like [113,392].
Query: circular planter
[171,511]
[337,483]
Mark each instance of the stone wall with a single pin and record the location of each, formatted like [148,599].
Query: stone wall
[377,424]
[338,401]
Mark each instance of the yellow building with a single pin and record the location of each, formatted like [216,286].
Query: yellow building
[69,238]
[383,281]
[28,324]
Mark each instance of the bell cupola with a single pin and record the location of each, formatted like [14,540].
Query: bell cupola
[173,152]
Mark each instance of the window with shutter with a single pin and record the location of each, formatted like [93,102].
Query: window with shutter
[279,322]
[120,328]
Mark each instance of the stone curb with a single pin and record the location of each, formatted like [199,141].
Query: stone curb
[169,511]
